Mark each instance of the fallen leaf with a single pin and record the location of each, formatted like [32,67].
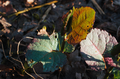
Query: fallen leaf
[5,25]
[82,21]
[97,43]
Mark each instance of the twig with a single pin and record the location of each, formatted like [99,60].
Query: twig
[10,50]
[36,73]
[26,10]
[20,60]
[45,15]
[19,57]
[98,7]
[23,67]
[3,51]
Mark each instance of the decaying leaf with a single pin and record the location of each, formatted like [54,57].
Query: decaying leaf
[47,50]
[97,43]
[82,21]
[5,25]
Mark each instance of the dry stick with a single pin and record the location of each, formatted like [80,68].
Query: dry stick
[36,73]
[45,15]
[98,7]
[26,10]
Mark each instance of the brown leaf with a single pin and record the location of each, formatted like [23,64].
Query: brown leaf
[5,23]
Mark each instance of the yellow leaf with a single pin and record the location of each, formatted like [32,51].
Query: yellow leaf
[82,21]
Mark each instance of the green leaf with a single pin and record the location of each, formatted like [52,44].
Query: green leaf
[116,73]
[47,50]
[115,50]
[67,19]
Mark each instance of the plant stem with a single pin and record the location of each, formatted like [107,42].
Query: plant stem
[108,72]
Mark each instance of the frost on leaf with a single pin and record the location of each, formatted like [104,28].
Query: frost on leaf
[47,50]
[96,44]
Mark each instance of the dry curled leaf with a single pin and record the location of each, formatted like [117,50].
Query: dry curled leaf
[5,25]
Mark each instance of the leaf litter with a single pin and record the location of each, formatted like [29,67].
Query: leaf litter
[25,24]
